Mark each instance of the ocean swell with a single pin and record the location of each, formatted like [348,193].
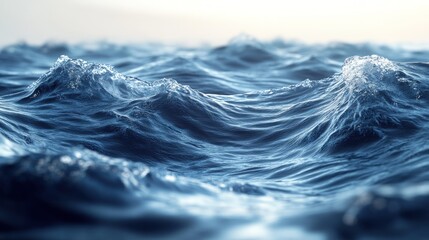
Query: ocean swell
[284,138]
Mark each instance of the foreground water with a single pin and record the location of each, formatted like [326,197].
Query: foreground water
[251,140]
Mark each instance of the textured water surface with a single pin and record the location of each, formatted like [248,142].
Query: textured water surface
[250,140]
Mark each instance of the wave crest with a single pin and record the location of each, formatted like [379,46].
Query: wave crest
[79,79]
[367,74]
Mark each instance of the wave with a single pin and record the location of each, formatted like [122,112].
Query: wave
[88,81]
[372,98]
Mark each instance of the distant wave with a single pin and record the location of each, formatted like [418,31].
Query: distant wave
[288,139]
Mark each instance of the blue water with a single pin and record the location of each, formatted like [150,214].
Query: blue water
[249,140]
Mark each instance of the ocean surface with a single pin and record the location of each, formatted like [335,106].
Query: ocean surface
[248,140]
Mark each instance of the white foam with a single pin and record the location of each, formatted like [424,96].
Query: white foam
[367,73]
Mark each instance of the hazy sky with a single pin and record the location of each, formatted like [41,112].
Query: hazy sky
[213,21]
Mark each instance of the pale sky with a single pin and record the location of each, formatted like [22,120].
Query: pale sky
[213,21]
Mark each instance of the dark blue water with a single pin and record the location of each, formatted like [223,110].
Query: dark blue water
[249,140]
